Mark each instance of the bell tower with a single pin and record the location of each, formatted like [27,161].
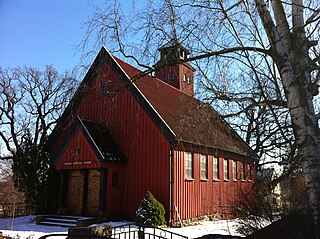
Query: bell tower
[172,70]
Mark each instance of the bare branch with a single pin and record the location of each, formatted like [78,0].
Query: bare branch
[30,103]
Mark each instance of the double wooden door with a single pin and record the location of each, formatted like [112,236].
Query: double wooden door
[83,194]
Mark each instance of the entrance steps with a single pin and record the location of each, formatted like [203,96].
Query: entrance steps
[67,221]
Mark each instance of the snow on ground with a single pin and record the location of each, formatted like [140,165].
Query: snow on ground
[26,228]
[223,227]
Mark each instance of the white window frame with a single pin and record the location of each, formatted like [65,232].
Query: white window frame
[243,171]
[235,170]
[226,170]
[204,166]
[250,172]
[216,168]
[188,165]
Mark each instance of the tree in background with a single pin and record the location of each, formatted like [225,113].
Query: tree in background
[11,200]
[30,104]
[34,175]
[257,61]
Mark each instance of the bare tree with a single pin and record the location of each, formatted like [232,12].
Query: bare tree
[257,60]
[30,103]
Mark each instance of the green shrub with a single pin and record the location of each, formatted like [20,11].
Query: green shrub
[151,211]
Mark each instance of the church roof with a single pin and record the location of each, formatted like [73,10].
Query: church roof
[192,121]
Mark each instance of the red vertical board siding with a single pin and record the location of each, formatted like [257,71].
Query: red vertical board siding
[115,197]
[78,153]
[186,87]
[198,197]
[147,150]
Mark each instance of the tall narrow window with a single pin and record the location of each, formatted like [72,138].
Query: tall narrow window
[235,170]
[216,168]
[249,172]
[226,169]
[189,165]
[243,171]
[204,166]
[171,76]
[181,54]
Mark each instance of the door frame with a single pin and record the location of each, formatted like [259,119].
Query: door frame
[63,191]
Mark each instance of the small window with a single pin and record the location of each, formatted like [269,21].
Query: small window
[235,170]
[204,166]
[188,80]
[216,168]
[164,77]
[171,76]
[181,53]
[226,169]
[184,77]
[243,171]
[189,165]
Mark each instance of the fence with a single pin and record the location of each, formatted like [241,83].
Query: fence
[128,231]
[132,231]
[14,209]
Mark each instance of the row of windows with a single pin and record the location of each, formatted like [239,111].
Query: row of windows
[186,78]
[216,168]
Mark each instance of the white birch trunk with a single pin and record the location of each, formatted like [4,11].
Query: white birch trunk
[292,55]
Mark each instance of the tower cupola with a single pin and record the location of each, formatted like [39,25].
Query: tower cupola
[173,69]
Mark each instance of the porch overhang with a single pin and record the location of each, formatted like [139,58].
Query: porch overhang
[89,146]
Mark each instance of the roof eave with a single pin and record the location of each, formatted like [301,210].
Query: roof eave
[179,144]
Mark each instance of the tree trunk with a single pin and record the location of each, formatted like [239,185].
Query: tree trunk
[291,57]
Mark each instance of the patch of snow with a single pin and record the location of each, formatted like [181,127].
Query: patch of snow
[26,228]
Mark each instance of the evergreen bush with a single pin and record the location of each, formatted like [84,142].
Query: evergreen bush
[151,211]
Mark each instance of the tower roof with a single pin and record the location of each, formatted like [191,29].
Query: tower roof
[173,43]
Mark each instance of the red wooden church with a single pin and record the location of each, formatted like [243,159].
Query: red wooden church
[119,138]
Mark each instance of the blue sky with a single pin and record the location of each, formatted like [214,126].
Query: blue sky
[42,32]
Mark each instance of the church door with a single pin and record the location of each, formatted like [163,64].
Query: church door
[75,192]
[93,195]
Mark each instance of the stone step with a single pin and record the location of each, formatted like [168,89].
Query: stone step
[57,224]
